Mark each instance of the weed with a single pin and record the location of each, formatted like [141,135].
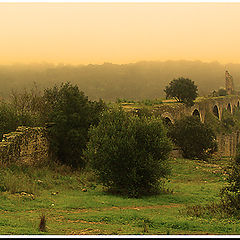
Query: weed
[42,224]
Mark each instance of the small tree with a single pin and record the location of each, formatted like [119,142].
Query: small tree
[129,154]
[9,119]
[28,104]
[196,139]
[183,90]
[230,195]
[222,92]
[72,114]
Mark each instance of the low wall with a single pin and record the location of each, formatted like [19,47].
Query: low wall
[28,145]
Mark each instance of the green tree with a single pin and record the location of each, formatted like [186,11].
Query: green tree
[28,104]
[195,138]
[129,154]
[222,92]
[230,195]
[9,120]
[71,113]
[183,90]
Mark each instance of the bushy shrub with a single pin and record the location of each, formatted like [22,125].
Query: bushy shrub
[9,120]
[230,195]
[129,154]
[71,113]
[29,105]
[195,138]
[222,92]
[230,121]
[144,112]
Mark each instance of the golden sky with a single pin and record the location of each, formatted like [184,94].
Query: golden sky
[83,33]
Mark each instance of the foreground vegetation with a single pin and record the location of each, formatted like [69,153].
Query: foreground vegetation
[74,203]
[108,170]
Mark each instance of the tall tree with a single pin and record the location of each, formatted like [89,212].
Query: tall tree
[183,90]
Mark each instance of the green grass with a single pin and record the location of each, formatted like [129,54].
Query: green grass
[58,194]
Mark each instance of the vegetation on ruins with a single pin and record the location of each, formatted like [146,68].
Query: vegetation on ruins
[183,90]
[129,154]
[9,119]
[196,139]
[228,124]
[222,92]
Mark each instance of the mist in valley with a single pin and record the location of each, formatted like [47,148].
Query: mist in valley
[135,81]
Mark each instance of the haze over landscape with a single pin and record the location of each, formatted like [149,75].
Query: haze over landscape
[84,33]
[120,50]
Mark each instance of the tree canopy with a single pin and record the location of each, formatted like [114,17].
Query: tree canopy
[196,139]
[129,154]
[183,90]
[72,114]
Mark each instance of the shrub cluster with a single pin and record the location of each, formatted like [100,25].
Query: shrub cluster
[230,195]
[71,113]
[195,138]
[128,153]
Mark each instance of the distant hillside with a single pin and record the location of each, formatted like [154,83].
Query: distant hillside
[110,81]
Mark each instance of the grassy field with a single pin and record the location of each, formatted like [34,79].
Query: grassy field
[74,204]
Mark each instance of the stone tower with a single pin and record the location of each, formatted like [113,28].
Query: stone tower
[229,83]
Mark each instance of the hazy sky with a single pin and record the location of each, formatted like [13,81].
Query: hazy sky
[83,33]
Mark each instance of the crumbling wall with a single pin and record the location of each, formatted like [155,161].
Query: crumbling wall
[28,145]
[229,83]
[227,144]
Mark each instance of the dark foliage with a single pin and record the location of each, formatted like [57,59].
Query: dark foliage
[222,92]
[71,114]
[9,120]
[195,138]
[129,154]
[183,90]
[230,195]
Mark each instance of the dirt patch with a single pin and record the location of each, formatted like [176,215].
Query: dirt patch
[122,208]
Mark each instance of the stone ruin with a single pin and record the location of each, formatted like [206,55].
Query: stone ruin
[27,145]
[229,83]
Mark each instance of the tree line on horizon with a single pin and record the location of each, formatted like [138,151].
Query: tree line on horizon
[137,81]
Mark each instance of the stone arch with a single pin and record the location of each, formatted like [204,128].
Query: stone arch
[167,121]
[216,111]
[196,113]
[167,118]
[238,104]
[229,107]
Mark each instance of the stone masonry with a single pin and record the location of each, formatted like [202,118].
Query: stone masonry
[229,83]
[27,145]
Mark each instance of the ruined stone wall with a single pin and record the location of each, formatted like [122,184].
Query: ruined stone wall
[27,145]
[227,144]
[229,83]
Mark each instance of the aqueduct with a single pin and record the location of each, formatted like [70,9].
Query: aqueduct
[215,105]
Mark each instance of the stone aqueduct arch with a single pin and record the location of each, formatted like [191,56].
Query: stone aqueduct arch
[229,107]
[168,117]
[215,106]
[216,111]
